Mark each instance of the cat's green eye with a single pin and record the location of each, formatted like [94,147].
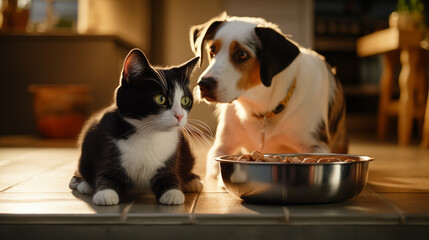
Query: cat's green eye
[160,99]
[186,101]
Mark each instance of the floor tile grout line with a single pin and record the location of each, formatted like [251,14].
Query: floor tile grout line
[388,192]
[33,176]
[286,213]
[397,209]
[193,207]
[24,155]
[124,214]
[370,187]
[5,162]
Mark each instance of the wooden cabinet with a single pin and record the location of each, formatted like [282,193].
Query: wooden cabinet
[27,59]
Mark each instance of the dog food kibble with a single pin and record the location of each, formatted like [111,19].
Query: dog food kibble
[350,160]
[324,159]
[244,158]
[309,160]
[271,159]
[278,158]
[256,156]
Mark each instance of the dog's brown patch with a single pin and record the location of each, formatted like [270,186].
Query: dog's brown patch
[215,46]
[249,69]
[321,137]
[337,119]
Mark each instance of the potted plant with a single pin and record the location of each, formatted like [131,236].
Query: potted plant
[409,15]
[60,109]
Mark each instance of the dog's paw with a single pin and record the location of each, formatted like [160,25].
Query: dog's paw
[195,185]
[211,174]
[84,188]
[239,175]
[172,197]
[220,184]
[106,197]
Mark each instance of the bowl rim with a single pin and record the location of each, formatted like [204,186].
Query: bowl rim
[362,159]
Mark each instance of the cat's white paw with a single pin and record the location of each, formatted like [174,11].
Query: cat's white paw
[195,185]
[84,188]
[106,197]
[172,197]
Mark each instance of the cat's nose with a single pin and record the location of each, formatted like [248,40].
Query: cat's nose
[207,84]
[178,117]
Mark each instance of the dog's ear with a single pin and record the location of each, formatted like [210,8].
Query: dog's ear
[199,34]
[277,52]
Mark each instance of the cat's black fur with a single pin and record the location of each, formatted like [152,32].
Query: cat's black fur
[100,163]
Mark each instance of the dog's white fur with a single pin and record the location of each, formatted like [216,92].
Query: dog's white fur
[292,130]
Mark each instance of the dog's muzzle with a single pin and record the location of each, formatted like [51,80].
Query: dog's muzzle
[207,87]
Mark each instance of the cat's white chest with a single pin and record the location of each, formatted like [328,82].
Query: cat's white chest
[143,154]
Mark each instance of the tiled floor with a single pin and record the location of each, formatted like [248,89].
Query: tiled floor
[36,203]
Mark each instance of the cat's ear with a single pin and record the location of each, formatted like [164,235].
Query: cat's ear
[135,64]
[187,68]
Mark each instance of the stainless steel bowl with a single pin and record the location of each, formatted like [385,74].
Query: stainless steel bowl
[295,183]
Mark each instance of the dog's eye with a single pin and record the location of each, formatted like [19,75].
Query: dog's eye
[242,56]
[212,51]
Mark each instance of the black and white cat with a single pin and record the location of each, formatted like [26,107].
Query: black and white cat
[138,142]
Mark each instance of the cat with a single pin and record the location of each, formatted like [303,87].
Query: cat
[138,143]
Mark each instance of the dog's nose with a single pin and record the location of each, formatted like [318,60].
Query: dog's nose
[207,84]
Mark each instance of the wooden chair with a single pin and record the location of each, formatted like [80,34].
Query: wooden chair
[425,134]
[394,43]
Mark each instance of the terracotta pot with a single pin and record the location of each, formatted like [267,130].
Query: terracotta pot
[60,110]
[405,20]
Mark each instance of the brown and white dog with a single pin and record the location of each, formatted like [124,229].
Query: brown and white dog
[277,97]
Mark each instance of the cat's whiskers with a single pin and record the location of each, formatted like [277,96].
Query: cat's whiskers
[201,124]
[145,128]
[201,134]
[160,124]
[161,84]
[161,76]
[198,134]
[143,125]
[186,131]
[190,133]
[184,80]
[193,136]
[149,128]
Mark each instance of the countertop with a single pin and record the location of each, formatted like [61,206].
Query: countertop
[36,203]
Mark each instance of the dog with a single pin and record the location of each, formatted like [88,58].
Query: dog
[273,95]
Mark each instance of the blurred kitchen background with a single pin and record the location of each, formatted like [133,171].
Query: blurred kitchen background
[61,59]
